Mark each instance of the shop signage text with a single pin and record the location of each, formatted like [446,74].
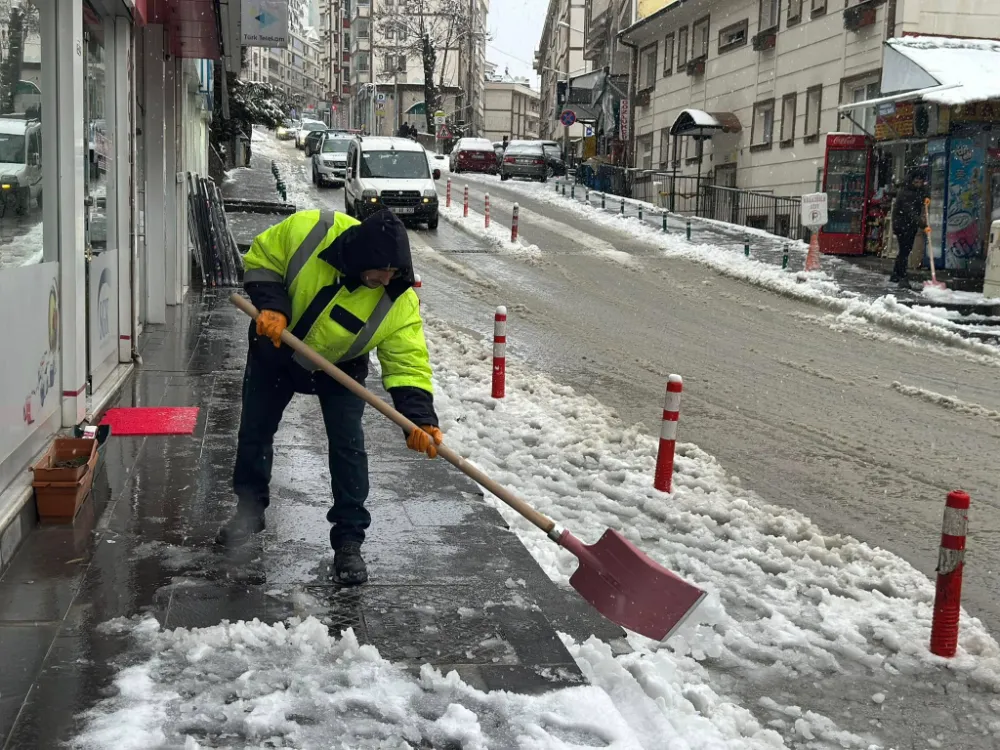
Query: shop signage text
[264,23]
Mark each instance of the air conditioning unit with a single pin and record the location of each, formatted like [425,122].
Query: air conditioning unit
[925,120]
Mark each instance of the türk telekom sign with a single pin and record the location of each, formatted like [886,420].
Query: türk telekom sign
[264,23]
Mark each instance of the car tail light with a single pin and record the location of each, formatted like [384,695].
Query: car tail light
[538,161]
[509,160]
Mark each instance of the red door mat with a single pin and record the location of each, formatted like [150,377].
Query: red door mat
[152,420]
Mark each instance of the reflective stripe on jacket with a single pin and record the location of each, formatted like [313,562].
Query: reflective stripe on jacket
[339,318]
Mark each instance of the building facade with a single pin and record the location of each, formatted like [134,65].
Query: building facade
[558,58]
[297,71]
[510,110]
[94,243]
[334,60]
[387,75]
[777,72]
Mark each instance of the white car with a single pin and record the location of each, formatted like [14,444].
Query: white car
[20,164]
[391,173]
[329,163]
[306,127]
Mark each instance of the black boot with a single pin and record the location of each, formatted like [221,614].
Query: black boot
[348,566]
[237,530]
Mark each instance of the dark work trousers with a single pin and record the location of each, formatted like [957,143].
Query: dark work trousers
[266,393]
[905,241]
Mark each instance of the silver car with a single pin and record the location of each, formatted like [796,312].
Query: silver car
[524,159]
[329,164]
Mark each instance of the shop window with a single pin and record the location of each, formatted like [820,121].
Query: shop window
[668,55]
[699,38]
[794,12]
[647,74]
[788,104]
[682,48]
[768,15]
[734,36]
[814,111]
[763,125]
[21,125]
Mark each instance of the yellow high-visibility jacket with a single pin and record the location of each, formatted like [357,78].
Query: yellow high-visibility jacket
[308,267]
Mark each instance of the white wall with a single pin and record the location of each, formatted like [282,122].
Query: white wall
[975,18]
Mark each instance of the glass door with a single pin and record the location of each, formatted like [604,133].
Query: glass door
[846,180]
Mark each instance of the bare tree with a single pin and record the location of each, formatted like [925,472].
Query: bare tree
[428,30]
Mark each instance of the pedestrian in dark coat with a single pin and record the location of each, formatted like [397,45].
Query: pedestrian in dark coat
[907,220]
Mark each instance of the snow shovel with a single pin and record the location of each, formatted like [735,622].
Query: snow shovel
[933,283]
[615,576]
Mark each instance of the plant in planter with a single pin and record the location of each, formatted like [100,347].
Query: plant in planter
[696,67]
[859,16]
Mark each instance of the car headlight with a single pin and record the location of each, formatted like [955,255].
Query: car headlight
[430,195]
[370,196]
[8,181]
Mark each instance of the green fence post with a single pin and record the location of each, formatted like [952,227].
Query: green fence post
[689,230]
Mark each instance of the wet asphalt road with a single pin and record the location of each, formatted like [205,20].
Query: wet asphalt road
[797,403]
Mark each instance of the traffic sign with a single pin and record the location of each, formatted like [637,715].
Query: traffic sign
[443,133]
[568,117]
[440,117]
[380,97]
[588,131]
[814,210]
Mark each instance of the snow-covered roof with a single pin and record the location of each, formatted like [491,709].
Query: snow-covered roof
[967,66]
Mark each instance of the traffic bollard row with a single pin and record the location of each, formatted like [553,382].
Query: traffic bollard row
[663,478]
[487,203]
[447,194]
[513,224]
[465,203]
[499,352]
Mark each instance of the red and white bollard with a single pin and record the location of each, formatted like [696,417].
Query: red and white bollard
[513,225]
[499,352]
[663,478]
[951,564]
[447,194]
[487,210]
[417,285]
[465,202]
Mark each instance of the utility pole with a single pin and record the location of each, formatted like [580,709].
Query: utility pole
[471,117]
[569,42]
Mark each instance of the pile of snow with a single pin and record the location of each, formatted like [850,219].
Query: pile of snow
[296,685]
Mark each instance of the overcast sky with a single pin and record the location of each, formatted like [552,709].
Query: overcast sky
[516,26]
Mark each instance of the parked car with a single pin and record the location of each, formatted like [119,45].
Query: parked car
[553,157]
[20,164]
[329,161]
[392,173]
[524,159]
[286,130]
[305,129]
[313,138]
[473,155]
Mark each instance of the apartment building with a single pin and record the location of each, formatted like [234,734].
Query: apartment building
[510,110]
[559,57]
[334,59]
[295,71]
[751,87]
[387,76]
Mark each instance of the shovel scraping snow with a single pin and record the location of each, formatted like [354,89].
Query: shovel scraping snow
[615,576]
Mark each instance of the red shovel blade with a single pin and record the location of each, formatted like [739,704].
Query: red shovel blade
[630,589]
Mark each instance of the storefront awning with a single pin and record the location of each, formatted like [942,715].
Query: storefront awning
[697,122]
[939,70]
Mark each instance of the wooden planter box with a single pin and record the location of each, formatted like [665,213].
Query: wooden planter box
[61,490]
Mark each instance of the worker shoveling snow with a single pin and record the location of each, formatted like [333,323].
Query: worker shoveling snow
[798,632]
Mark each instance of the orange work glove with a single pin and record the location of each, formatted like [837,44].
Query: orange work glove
[425,440]
[271,323]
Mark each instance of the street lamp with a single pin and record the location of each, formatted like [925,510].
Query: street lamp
[565,25]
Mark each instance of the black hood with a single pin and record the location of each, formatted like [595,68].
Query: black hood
[380,241]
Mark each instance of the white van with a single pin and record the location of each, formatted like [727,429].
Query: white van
[391,173]
[20,163]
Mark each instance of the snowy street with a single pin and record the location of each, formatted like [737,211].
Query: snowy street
[819,434]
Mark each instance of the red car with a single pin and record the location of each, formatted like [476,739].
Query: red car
[473,155]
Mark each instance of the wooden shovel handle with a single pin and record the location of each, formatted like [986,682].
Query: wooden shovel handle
[544,523]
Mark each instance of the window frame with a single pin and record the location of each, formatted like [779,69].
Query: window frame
[707,37]
[775,21]
[664,148]
[763,104]
[788,139]
[642,140]
[816,12]
[745,24]
[809,137]
[682,49]
[668,53]
[792,20]
[646,69]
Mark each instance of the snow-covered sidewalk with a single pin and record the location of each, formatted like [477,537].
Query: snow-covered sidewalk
[801,634]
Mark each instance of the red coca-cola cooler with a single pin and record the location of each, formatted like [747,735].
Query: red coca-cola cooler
[847,184]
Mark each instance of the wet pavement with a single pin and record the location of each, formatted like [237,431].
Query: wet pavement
[450,585]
